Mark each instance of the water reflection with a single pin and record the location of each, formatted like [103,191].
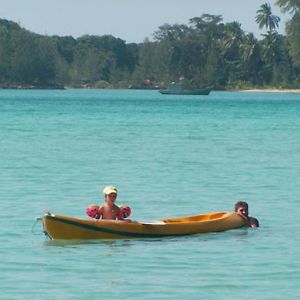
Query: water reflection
[115,243]
[66,243]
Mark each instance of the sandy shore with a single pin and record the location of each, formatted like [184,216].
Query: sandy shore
[294,91]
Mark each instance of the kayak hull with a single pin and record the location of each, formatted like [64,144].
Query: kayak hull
[69,228]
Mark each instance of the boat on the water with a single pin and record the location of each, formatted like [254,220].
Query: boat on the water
[177,89]
[69,228]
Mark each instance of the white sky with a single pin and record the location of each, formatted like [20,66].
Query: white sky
[130,20]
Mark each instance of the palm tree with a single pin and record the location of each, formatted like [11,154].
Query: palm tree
[293,37]
[250,58]
[292,6]
[232,39]
[265,18]
[272,50]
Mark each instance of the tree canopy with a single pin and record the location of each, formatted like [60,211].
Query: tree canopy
[206,51]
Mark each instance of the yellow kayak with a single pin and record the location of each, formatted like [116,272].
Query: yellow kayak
[66,228]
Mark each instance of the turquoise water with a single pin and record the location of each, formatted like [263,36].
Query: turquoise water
[168,156]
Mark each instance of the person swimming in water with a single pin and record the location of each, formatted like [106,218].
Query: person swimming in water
[242,209]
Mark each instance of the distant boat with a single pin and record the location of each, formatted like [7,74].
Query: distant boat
[177,89]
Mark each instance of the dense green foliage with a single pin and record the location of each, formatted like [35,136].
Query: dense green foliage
[206,51]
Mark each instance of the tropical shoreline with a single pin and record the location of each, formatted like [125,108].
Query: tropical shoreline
[272,90]
[62,87]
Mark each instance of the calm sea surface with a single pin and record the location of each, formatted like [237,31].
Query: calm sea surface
[168,156]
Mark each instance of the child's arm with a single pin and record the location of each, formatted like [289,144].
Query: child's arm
[101,208]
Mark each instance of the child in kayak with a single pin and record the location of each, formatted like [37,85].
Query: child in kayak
[241,208]
[109,210]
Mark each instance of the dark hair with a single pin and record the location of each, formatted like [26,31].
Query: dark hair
[240,204]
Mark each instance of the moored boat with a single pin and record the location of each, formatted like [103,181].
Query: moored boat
[66,228]
[177,89]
